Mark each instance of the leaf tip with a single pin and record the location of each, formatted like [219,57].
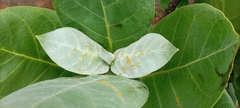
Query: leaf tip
[37,36]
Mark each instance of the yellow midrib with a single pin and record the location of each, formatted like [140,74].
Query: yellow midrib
[32,58]
[107,27]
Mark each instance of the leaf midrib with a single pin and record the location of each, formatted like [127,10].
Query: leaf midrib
[29,57]
[107,27]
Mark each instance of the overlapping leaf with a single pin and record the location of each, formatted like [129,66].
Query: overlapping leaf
[112,23]
[236,76]
[143,57]
[22,60]
[225,101]
[198,73]
[230,8]
[73,51]
[85,92]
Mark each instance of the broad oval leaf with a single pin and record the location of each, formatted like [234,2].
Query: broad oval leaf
[196,76]
[86,92]
[73,51]
[111,23]
[143,57]
[22,60]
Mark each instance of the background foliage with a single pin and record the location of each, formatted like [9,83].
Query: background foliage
[195,76]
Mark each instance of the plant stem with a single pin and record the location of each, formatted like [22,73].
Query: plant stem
[171,7]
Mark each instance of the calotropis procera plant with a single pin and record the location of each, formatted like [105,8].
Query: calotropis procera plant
[111,39]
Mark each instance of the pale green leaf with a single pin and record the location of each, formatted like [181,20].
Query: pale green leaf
[22,60]
[73,51]
[225,101]
[143,57]
[196,76]
[86,92]
[106,56]
[231,90]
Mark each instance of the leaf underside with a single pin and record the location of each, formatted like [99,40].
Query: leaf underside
[143,57]
[86,92]
[75,52]
[225,101]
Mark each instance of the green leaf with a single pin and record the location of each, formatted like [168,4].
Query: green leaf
[112,23]
[143,57]
[225,101]
[106,56]
[230,8]
[236,76]
[22,60]
[231,92]
[85,92]
[196,75]
[73,51]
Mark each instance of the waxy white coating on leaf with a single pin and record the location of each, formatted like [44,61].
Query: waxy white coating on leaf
[80,92]
[143,57]
[106,56]
[74,51]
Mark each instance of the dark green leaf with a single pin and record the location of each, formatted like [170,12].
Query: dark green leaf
[236,76]
[196,75]
[85,92]
[225,101]
[230,8]
[111,23]
[22,60]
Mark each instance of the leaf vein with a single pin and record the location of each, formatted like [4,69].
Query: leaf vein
[88,10]
[192,62]
[187,38]
[196,82]
[30,30]
[32,58]
[174,91]
[10,73]
[159,100]
[128,17]
[40,75]
[210,30]
[107,27]
[85,26]
[61,91]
